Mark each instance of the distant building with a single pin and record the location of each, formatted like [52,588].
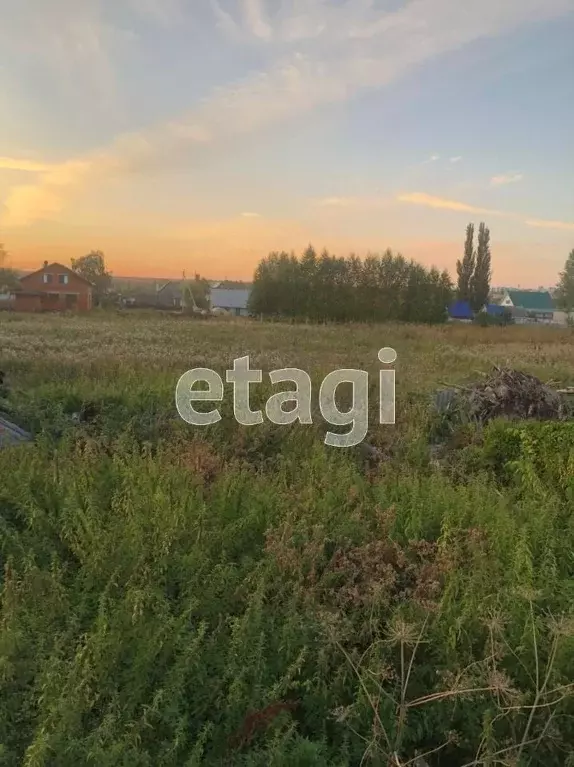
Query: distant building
[461,311]
[54,288]
[563,318]
[529,305]
[232,300]
[496,310]
[169,296]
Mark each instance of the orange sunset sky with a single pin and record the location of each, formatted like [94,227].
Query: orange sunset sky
[176,138]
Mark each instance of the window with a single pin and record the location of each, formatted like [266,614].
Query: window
[47,278]
[63,279]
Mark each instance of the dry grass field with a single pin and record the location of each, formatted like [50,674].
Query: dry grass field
[176,596]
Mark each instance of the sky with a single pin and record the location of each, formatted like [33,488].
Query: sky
[199,135]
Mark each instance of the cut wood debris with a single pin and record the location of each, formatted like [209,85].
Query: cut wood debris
[505,393]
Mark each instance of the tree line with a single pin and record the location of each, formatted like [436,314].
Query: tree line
[326,287]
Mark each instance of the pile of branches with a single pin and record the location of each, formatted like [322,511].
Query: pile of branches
[505,393]
[511,393]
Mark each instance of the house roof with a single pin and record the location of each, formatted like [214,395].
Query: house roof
[230,285]
[532,300]
[53,267]
[230,298]
[461,310]
[177,285]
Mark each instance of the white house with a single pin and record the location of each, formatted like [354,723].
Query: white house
[529,305]
[563,318]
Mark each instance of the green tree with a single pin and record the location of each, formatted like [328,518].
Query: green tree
[564,295]
[309,267]
[465,268]
[8,277]
[480,279]
[330,288]
[92,267]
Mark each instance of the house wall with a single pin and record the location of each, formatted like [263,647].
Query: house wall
[62,294]
[23,303]
[531,318]
[170,296]
[561,318]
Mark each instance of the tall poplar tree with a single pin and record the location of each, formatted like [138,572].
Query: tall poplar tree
[565,288]
[480,280]
[465,268]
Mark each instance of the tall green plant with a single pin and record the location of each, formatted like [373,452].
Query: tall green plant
[465,267]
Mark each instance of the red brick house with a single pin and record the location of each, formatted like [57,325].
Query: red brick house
[54,288]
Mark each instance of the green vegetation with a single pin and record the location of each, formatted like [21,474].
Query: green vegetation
[8,276]
[175,596]
[92,267]
[327,288]
[474,269]
[565,287]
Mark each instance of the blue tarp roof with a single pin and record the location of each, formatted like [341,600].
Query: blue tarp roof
[461,310]
[495,310]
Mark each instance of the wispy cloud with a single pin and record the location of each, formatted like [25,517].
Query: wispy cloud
[506,178]
[334,202]
[456,159]
[541,224]
[166,13]
[352,203]
[432,158]
[256,20]
[26,166]
[371,49]
[440,203]
[251,215]
[73,43]
[47,198]
[225,22]
[429,201]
